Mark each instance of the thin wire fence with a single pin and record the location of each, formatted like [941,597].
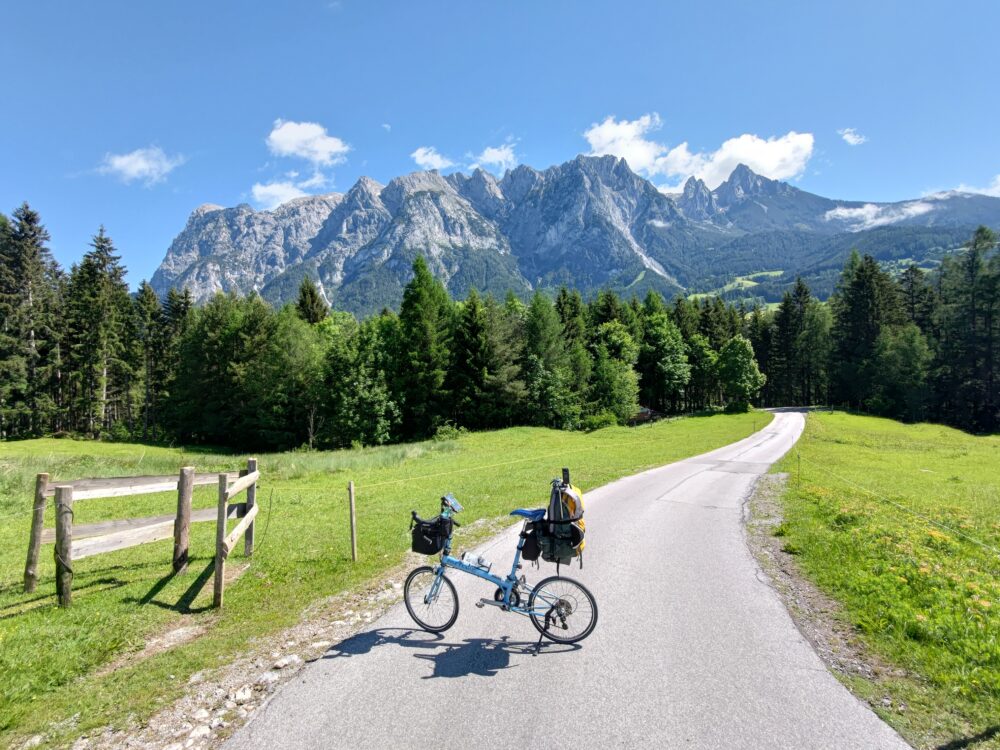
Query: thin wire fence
[899,506]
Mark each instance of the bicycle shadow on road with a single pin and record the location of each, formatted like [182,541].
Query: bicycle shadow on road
[473,656]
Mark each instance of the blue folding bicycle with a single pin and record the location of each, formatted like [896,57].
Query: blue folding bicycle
[562,609]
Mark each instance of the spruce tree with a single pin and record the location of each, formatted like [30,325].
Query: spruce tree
[866,302]
[917,297]
[30,355]
[425,321]
[544,337]
[310,305]
[966,323]
[149,330]
[548,366]
[12,371]
[99,337]
[469,371]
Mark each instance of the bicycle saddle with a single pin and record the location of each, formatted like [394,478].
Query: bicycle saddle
[532,515]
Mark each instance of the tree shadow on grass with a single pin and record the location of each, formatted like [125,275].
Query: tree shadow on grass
[964,742]
[473,656]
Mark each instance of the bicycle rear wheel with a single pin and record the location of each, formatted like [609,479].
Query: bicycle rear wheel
[433,607]
[562,610]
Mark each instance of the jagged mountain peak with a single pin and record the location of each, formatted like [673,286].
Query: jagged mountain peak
[694,186]
[519,181]
[743,183]
[481,189]
[366,186]
[591,222]
[400,188]
[697,202]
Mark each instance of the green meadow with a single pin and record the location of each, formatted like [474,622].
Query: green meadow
[54,664]
[901,524]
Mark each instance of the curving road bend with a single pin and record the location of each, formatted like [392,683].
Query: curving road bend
[692,649]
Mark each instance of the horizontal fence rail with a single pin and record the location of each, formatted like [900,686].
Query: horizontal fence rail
[86,540]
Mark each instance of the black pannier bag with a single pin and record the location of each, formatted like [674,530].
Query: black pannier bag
[532,548]
[429,537]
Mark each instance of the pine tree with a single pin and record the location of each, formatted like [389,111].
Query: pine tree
[813,348]
[686,317]
[789,385]
[917,297]
[605,309]
[12,370]
[470,366]
[759,330]
[966,321]
[149,327]
[29,352]
[544,337]
[899,383]
[425,321]
[99,337]
[548,366]
[572,314]
[865,303]
[310,305]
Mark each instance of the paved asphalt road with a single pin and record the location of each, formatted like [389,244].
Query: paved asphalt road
[692,648]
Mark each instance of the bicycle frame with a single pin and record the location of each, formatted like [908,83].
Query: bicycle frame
[504,584]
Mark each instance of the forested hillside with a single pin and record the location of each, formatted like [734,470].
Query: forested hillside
[80,355]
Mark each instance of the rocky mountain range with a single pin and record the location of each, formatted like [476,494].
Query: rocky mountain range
[589,223]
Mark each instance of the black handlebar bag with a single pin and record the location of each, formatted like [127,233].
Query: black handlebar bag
[429,537]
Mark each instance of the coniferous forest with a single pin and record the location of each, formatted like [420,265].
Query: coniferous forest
[80,355]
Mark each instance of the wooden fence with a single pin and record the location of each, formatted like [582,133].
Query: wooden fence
[224,543]
[75,543]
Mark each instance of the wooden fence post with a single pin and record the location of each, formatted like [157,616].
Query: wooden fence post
[354,523]
[64,545]
[182,523]
[35,541]
[251,501]
[220,536]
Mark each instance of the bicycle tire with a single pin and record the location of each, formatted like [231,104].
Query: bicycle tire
[425,624]
[571,589]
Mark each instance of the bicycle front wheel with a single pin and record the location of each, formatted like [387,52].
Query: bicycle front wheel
[430,599]
[562,610]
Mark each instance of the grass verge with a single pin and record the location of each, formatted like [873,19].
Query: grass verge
[54,675]
[901,524]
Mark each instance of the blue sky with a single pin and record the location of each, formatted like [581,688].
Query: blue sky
[131,114]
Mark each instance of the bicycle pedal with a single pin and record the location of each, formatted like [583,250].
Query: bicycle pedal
[481,604]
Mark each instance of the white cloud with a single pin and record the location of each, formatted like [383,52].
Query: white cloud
[317,181]
[871,215]
[852,137]
[386,127]
[427,157]
[993,189]
[779,157]
[499,158]
[273,194]
[148,165]
[306,140]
